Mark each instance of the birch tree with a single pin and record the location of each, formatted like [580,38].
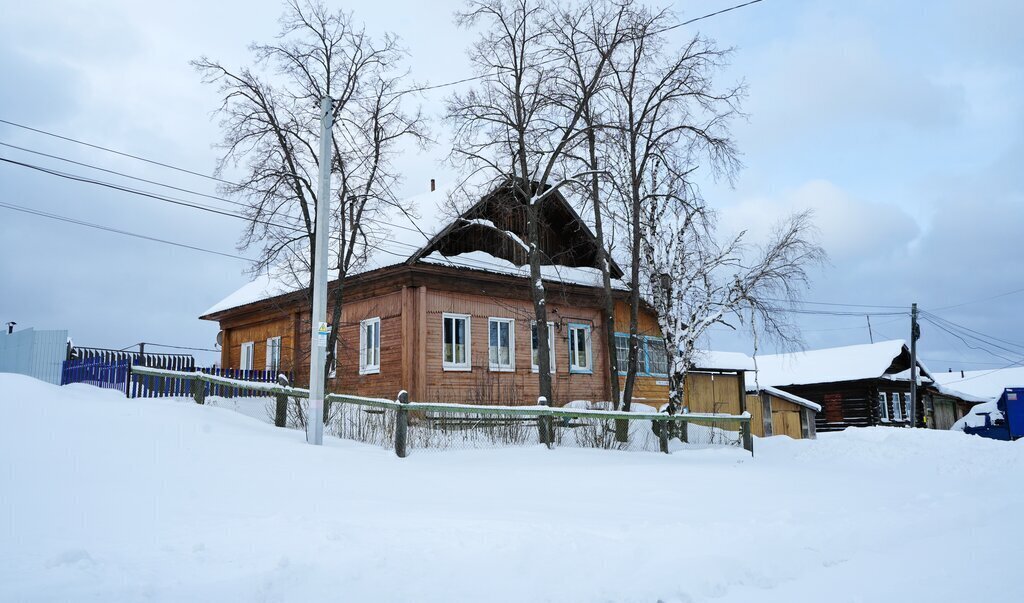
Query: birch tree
[665,110]
[514,129]
[695,282]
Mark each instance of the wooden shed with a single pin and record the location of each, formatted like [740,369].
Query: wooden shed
[776,412]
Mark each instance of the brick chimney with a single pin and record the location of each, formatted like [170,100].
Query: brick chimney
[433,185]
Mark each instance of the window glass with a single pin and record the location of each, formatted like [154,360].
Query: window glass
[247,356]
[579,349]
[657,358]
[369,345]
[455,352]
[883,407]
[534,346]
[500,335]
[621,351]
[897,411]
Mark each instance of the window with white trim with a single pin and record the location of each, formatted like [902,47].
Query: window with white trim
[906,405]
[369,346]
[274,354]
[897,411]
[580,357]
[534,346]
[501,344]
[657,356]
[883,407]
[455,342]
[245,361]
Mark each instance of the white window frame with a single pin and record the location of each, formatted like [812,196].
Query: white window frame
[247,356]
[369,366]
[906,405]
[534,367]
[498,366]
[273,343]
[897,411]
[883,407]
[622,355]
[466,365]
[574,365]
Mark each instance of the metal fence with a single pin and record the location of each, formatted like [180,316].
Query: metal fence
[407,426]
[34,353]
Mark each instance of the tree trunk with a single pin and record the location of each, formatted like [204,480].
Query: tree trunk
[634,295]
[539,302]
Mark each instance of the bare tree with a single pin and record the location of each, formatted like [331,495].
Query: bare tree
[515,128]
[665,109]
[271,125]
[695,282]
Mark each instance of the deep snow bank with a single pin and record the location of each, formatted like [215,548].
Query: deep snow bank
[104,498]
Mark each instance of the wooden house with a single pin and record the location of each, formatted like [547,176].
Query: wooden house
[951,395]
[442,308]
[856,386]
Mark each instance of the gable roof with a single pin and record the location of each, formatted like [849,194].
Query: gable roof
[830,365]
[427,228]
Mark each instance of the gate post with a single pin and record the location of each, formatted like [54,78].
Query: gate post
[402,425]
[748,440]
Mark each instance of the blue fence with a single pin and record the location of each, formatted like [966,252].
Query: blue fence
[117,374]
[96,371]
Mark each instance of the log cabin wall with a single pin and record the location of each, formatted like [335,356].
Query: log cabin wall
[853,403]
[480,385]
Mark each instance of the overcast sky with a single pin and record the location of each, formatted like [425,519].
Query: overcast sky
[900,124]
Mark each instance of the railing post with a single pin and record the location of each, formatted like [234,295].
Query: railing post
[281,410]
[198,389]
[402,425]
[544,425]
[748,440]
[663,434]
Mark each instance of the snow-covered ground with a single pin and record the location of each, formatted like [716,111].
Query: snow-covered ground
[108,499]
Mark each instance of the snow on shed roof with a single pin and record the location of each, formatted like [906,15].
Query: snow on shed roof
[847,363]
[785,396]
[979,386]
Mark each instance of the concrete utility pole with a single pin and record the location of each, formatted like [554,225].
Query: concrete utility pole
[915,334]
[318,345]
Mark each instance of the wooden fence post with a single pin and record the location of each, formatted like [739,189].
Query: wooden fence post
[281,409]
[748,440]
[544,425]
[402,425]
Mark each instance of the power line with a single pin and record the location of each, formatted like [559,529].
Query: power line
[116,152]
[122,174]
[116,230]
[976,301]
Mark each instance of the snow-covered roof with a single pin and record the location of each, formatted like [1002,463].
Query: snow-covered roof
[726,361]
[829,365]
[405,228]
[979,386]
[778,393]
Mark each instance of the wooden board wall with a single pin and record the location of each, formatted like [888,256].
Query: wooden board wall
[756,417]
[713,392]
[483,386]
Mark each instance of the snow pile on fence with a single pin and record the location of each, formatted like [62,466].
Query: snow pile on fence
[104,498]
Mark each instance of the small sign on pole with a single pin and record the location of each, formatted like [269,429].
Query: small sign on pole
[321,335]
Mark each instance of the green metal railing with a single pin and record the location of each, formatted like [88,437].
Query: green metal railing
[405,424]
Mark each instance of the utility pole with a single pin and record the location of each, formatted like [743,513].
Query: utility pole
[318,345]
[915,334]
[871,336]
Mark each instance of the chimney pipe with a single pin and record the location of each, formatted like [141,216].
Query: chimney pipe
[10,327]
[433,185]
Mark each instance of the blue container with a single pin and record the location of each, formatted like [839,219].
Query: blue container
[1012,405]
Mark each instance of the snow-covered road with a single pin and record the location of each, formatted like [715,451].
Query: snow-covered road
[108,499]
